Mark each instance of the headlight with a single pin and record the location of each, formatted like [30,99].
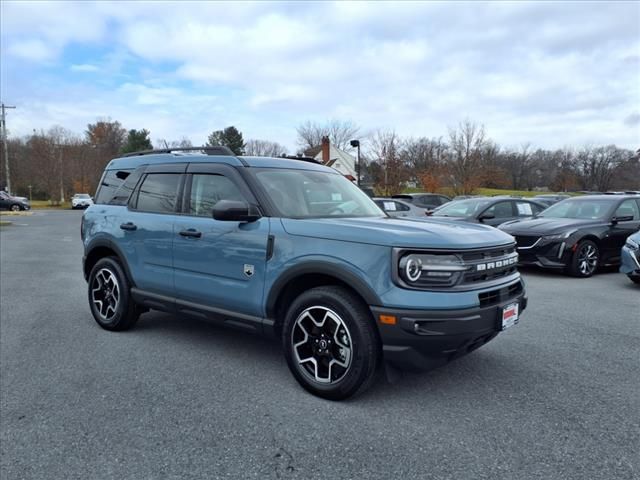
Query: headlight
[424,270]
[632,244]
[546,239]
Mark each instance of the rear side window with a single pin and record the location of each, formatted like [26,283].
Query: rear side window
[111,181]
[207,190]
[501,210]
[158,193]
[121,197]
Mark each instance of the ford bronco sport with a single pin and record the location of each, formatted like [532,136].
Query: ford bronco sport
[289,247]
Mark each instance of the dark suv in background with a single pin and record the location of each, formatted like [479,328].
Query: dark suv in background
[428,201]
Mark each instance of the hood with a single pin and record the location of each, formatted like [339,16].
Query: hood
[546,226]
[399,232]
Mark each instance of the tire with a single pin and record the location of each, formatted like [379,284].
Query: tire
[15,207]
[585,259]
[330,342]
[109,296]
[634,279]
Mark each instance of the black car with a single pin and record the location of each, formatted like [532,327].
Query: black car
[492,211]
[550,199]
[13,203]
[579,234]
[425,200]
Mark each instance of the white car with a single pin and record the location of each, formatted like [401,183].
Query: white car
[81,200]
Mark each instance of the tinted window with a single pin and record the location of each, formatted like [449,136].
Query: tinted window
[628,208]
[207,190]
[122,194]
[158,193]
[401,207]
[500,210]
[111,181]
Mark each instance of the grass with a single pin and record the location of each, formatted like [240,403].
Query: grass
[48,204]
[487,191]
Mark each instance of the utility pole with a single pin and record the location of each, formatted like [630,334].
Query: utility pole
[6,150]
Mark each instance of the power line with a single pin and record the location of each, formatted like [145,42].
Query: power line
[3,124]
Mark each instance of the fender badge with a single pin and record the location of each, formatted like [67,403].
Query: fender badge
[248,270]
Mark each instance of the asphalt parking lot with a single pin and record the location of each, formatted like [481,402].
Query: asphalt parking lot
[555,397]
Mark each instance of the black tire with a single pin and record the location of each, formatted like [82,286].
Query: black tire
[15,207]
[586,251]
[345,313]
[115,313]
[634,279]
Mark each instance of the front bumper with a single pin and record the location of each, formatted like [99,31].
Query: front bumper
[553,255]
[425,339]
[630,261]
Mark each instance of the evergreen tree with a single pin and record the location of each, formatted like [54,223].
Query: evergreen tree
[229,137]
[137,140]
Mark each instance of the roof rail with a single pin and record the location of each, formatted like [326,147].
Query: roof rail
[215,150]
[301,157]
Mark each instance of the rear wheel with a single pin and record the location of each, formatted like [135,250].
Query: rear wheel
[330,343]
[109,298]
[585,259]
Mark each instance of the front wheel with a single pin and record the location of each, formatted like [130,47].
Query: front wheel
[634,279]
[585,259]
[15,208]
[330,343]
[109,298]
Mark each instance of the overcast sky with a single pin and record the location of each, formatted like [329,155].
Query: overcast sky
[549,73]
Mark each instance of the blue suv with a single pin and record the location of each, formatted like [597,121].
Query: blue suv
[291,248]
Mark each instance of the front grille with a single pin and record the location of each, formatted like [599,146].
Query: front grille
[525,241]
[494,297]
[490,264]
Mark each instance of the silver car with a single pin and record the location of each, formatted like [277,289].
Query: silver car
[399,208]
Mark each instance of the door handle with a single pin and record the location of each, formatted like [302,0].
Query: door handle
[191,232]
[128,226]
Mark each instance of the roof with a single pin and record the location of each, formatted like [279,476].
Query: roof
[265,162]
[605,197]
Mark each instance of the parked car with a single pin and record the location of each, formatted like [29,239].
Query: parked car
[630,255]
[579,234]
[398,208]
[81,200]
[428,201]
[489,210]
[12,203]
[292,248]
[550,199]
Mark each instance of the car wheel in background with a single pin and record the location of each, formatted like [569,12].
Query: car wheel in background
[585,259]
[15,207]
[330,343]
[109,298]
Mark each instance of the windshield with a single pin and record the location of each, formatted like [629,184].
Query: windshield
[582,209]
[461,208]
[312,194]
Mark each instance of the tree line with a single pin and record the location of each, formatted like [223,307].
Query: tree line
[56,163]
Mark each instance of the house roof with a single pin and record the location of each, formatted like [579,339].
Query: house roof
[340,160]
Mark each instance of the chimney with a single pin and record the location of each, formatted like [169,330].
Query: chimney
[325,149]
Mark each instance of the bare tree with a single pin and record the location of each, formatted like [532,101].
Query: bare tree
[340,133]
[598,165]
[184,142]
[264,148]
[465,164]
[389,171]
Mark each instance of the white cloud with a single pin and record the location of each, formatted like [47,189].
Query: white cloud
[545,73]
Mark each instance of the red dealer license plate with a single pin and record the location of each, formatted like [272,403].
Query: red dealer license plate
[509,315]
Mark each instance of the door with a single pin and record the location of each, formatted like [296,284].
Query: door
[621,229]
[219,264]
[147,228]
[501,211]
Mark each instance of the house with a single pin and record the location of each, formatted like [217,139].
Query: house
[332,156]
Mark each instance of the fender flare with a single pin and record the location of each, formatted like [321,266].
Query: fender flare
[324,268]
[110,244]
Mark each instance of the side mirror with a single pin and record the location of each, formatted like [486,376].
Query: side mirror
[235,211]
[622,218]
[486,216]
